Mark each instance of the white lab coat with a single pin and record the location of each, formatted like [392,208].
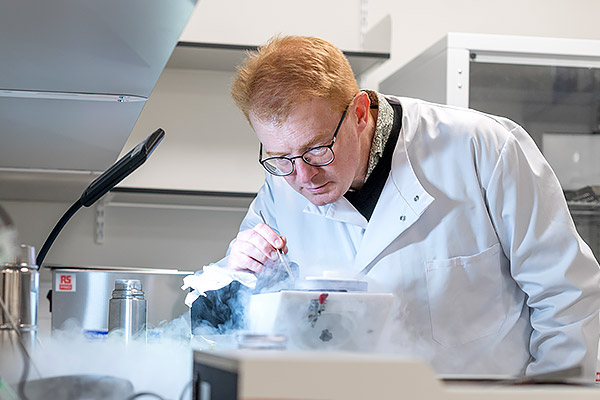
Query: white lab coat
[472,235]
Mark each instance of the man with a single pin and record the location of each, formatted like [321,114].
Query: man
[453,211]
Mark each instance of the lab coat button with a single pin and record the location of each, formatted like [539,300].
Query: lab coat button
[403,218]
[416,198]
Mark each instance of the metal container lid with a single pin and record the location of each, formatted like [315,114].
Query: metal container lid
[128,284]
[134,270]
[128,288]
[24,258]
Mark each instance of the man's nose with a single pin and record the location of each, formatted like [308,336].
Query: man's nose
[305,172]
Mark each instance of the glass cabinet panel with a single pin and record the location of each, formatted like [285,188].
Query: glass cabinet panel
[550,86]
[543,99]
[560,108]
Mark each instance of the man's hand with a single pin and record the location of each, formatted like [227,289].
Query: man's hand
[253,247]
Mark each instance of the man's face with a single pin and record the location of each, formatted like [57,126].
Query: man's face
[313,124]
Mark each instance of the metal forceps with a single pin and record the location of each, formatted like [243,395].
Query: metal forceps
[279,251]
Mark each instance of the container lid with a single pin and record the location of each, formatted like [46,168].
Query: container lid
[128,284]
[133,270]
[24,258]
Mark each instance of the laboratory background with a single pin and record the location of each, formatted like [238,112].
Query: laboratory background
[179,210]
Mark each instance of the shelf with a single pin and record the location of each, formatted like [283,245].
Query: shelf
[170,200]
[22,184]
[179,199]
[67,186]
[225,57]
[580,208]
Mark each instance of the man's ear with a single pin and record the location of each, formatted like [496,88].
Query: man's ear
[362,107]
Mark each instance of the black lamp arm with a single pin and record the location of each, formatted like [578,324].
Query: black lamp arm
[101,185]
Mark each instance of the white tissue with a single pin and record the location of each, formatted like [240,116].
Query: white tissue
[213,277]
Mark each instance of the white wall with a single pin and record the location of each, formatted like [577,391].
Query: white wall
[189,239]
[415,24]
[418,24]
[200,120]
[253,22]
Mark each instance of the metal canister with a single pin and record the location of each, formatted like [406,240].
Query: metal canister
[19,291]
[127,309]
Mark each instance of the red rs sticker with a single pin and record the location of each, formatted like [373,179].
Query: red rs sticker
[65,282]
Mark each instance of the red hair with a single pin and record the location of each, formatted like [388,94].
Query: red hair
[288,71]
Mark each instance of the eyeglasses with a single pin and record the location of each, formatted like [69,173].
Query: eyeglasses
[319,156]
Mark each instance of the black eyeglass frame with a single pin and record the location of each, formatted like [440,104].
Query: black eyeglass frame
[291,159]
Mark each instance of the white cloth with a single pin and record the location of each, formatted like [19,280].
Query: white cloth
[212,277]
[472,235]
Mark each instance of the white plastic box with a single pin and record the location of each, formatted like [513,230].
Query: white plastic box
[314,320]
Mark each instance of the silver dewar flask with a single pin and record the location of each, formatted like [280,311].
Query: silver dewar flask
[127,309]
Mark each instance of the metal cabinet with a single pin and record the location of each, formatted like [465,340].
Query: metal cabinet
[549,86]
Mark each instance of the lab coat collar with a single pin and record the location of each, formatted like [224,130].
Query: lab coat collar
[341,210]
[401,203]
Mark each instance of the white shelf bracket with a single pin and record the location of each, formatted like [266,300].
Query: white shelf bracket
[100,214]
[99,234]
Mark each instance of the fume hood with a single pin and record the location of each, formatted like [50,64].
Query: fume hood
[74,77]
